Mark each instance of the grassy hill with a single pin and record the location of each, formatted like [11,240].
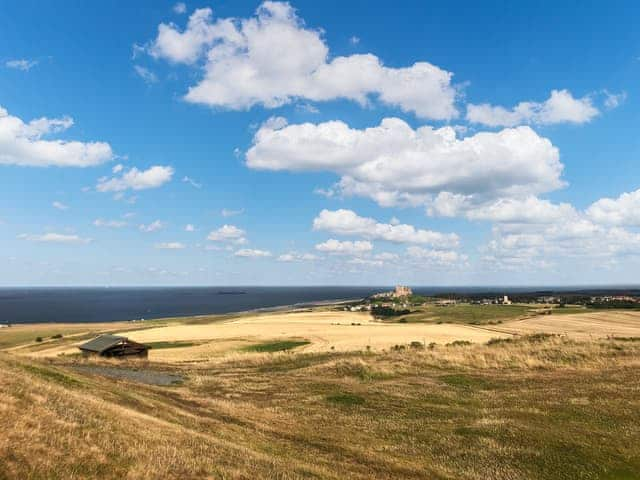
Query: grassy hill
[538,407]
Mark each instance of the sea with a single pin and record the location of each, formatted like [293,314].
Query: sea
[108,304]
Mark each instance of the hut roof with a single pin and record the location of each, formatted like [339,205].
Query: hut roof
[102,343]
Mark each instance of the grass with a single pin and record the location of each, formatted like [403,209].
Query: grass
[52,375]
[535,407]
[279,346]
[465,313]
[346,399]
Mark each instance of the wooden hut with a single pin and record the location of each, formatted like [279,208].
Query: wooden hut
[114,346]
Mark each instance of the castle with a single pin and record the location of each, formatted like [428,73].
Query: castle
[402,291]
[399,292]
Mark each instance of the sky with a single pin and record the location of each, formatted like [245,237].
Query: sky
[319,143]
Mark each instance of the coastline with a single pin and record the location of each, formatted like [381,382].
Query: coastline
[274,309]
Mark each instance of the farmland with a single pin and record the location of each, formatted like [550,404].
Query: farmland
[266,396]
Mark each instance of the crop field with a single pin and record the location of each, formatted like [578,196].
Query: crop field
[464,313]
[275,401]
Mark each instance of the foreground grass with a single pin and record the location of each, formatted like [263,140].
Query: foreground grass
[540,407]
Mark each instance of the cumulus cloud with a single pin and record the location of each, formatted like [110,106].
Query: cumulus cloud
[134,179]
[59,205]
[180,8]
[574,238]
[395,165]
[438,257]
[228,233]
[297,257]
[55,238]
[529,209]
[101,222]
[560,107]
[170,246]
[272,59]
[21,64]
[252,253]
[337,247]
[189,228]
[348,223]
[23,144]
[624,210]
[152,227]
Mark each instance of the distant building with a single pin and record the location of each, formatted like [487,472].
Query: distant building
[399,292]
[402,291]
[505,300]
[114,346]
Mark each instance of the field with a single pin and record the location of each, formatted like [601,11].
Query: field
[465,313]
[265,396]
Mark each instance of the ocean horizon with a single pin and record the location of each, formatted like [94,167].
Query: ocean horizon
[20,305]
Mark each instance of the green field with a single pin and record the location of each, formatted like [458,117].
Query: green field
[465,313]
[279,346]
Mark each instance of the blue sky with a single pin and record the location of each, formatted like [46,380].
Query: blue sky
[161,143]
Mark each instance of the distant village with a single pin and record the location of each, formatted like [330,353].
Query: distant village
[402,297]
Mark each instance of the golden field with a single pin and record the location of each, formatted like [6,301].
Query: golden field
[516,403]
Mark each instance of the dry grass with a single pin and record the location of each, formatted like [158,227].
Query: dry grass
[532,408]
[520,407]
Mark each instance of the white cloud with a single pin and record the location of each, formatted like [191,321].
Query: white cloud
[117,168]
[348,223]
[624,210]
[438,257]
[560,107]
[55,238]
[21,64]
[297,257]
[228,233]
[529,209]
[354,40]
[191,182]
[271,59]
[252,253]
[180,8]
[337,247]
[135,179]
[307,108]
[386,256]
[189,228]
[613,100]
[145,74]
[23,144]
[100,222]
[576,238]
[152,227]
[170,246]
[396,165]
[367,262]
[59,205]
[231,213]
